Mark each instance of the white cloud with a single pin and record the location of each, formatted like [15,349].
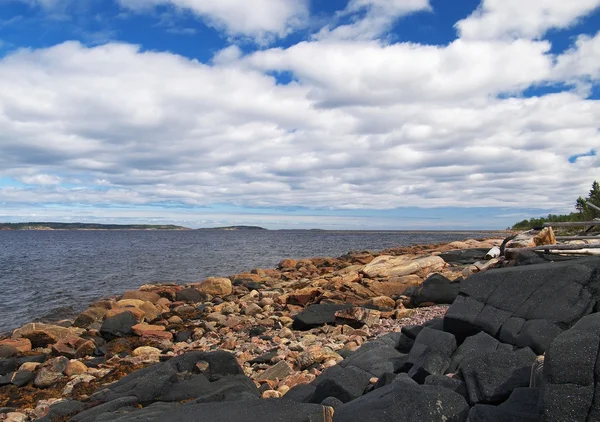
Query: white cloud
[40,179]
[580,65]
[522,19]
[259,19]
[365,126]
[378,17]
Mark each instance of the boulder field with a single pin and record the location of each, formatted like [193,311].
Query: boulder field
[428,333]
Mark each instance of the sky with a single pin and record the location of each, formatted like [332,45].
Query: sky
[333,114]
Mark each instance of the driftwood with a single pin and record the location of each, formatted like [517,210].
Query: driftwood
[555,248]
[577,237]
[577,252]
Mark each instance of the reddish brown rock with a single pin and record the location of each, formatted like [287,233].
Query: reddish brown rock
[383,302]
[75,368]
[358,315]
[22,345]
[90,316]
[216,286]
[141,295]
[42,335]
[397,266]
[304,297]
[143,329]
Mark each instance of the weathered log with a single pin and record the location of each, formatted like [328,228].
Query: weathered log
[554,248]
[573,224]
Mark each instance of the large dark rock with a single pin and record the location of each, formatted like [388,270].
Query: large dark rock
[464,256]
[91,414]
[62,409]
[316,315]
[491,377]
[118,326]
[571,390]
[454,384]
[258,410]
[402,402]
[430,354]
[435,289]
[498,300]
[473,346]
[345,384]
[191,295]
[155,381]
[375,357]
[521,406]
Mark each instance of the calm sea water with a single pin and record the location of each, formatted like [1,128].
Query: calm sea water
[51,275]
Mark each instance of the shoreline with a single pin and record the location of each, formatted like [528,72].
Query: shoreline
[181,318]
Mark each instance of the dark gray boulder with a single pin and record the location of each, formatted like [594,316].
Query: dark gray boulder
[431,354]
[491,377]
[435,289]
[455,384]
[345,384]
[498,300]
[118,326]
[402,402]
[375,357]
[316,315]
[571,390]
[191,295]
[522,405]
[473,346]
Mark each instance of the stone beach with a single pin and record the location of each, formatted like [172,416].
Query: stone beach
[427,333]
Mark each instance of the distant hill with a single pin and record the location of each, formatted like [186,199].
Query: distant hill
[232,228]
[86,226]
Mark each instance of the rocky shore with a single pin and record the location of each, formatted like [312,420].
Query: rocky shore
[423,333]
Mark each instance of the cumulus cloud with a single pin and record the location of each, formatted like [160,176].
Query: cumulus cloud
[495,19]
[259,19]
[580,65]
[369,19]
[363,126]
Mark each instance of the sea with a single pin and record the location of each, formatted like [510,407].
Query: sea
[47,276]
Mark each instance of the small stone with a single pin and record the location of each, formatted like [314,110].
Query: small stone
[358,315]
[384,302]
[15,417]
[285,333]
[46,378]
[276,372]
[142,329]
[175,320]
[7,351]
[75,368]
[283,389]
[29,366]
[146,351]
[271,394]
[252,309]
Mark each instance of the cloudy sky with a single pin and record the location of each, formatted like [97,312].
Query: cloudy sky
[359,114]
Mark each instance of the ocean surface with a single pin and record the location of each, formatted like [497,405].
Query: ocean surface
[52,275]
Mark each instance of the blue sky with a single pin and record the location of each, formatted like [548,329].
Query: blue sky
[360,114]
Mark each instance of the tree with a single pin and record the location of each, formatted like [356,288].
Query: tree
[587,212]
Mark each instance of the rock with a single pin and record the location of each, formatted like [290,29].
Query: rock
[143,329]
[276,372]
[146,351]
[375,358]
[74,347]
[256,410]
[19,378]
[521,406]
[304,297]
[393,286]
[383,302]
[545,237]
[15,417]
[46,378]
[316,315]
[42,335]
[63,409]
[175,320]
[402,402]
[571,390]
[435,289]
[287,264]
[316,354]
[395,266]
[464,256]
[191,295]
[216,286]
[141,295]
[7,351]
[345,384]
[473,346]
[430,354]
[271,394]
[138,314]
[357,316]
[522,240]
[252,309]
[560,293]
[21,345]
[118,326]
[75,368]
[93,413]
[491,377]
[454,384]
